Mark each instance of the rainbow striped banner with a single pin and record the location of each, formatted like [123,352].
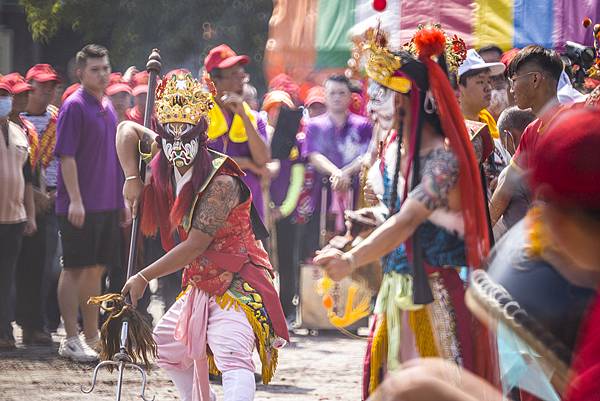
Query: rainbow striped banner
[311,38]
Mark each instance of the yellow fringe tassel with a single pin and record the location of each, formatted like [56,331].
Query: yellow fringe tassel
[378,355]
[421,326]
[268,355]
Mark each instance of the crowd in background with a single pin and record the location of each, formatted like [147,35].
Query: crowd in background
[305,152]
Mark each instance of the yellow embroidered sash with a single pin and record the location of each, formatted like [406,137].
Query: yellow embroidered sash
[218,124]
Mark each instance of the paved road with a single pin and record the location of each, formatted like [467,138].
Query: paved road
[325,367]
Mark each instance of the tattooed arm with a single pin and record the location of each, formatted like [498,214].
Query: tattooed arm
[212,210]
[440,174]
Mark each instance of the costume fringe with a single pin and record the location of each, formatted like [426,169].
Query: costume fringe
[268,354]
[378,355]
[421,326]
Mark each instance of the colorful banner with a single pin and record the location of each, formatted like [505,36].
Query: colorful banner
[309,38]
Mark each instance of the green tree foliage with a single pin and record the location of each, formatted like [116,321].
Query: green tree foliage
[184,30]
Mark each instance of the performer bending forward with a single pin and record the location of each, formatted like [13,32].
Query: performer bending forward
[433,191]
[207,223]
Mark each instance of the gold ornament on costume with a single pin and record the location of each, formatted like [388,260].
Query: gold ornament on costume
[382,64]
[455,49]
[181,99]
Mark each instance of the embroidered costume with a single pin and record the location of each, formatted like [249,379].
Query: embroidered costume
[230,304]
[420,309]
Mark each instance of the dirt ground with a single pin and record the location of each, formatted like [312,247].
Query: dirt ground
[323,367]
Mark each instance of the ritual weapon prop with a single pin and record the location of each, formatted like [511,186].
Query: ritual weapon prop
[126,338]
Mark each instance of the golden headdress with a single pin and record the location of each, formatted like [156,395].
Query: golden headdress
[382,64]
[181,99]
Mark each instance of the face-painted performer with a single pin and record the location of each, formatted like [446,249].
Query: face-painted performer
[431,187]
[207,223]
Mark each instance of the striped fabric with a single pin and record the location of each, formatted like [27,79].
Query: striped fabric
[309,37]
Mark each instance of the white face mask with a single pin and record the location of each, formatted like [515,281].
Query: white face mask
[179,151]
[381,105]
[5,105]
[499,101]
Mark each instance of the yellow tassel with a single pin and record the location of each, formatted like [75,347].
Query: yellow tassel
[351,314]
[538,239]
[268,354]
[378,355]
[421,327]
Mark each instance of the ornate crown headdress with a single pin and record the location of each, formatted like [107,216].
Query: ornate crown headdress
[455,49]
[382,64]
[181,99]
[594,71]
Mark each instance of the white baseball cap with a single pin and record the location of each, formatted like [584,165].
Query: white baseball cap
[475,62]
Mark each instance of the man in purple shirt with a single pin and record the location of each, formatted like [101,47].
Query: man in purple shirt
[89,201]
[335,145]
[235,128]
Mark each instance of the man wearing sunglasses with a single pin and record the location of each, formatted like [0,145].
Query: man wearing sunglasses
[533,77]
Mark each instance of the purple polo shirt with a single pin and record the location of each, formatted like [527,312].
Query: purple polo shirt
[340,145]
[86,130]
[243,150]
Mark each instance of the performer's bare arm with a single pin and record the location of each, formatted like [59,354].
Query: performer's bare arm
[76,214]
[212,210]
[439,179]
[131,138]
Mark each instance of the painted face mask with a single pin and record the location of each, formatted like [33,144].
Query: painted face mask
[180,144]
[381,105]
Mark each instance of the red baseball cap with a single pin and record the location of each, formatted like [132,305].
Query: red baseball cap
[140,83]
[5,86]
[223,56]
[42,73]
[117,85]
[316,94]
[69,91]
[276,97]
[16,82]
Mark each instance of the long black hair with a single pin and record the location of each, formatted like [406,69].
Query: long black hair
[417,71]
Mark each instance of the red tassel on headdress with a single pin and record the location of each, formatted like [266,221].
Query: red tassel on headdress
[429,42]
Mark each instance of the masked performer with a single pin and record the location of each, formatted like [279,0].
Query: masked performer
[208,227]
[433,192]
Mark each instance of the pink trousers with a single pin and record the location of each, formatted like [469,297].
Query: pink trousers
[183,333]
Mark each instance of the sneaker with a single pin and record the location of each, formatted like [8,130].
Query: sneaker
[95,344]
[36,337]
[77,350]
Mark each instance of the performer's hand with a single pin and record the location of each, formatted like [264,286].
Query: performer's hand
[125,217]
[331,260]
[132,191]
[76,214]
[233,102]
[135,287]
